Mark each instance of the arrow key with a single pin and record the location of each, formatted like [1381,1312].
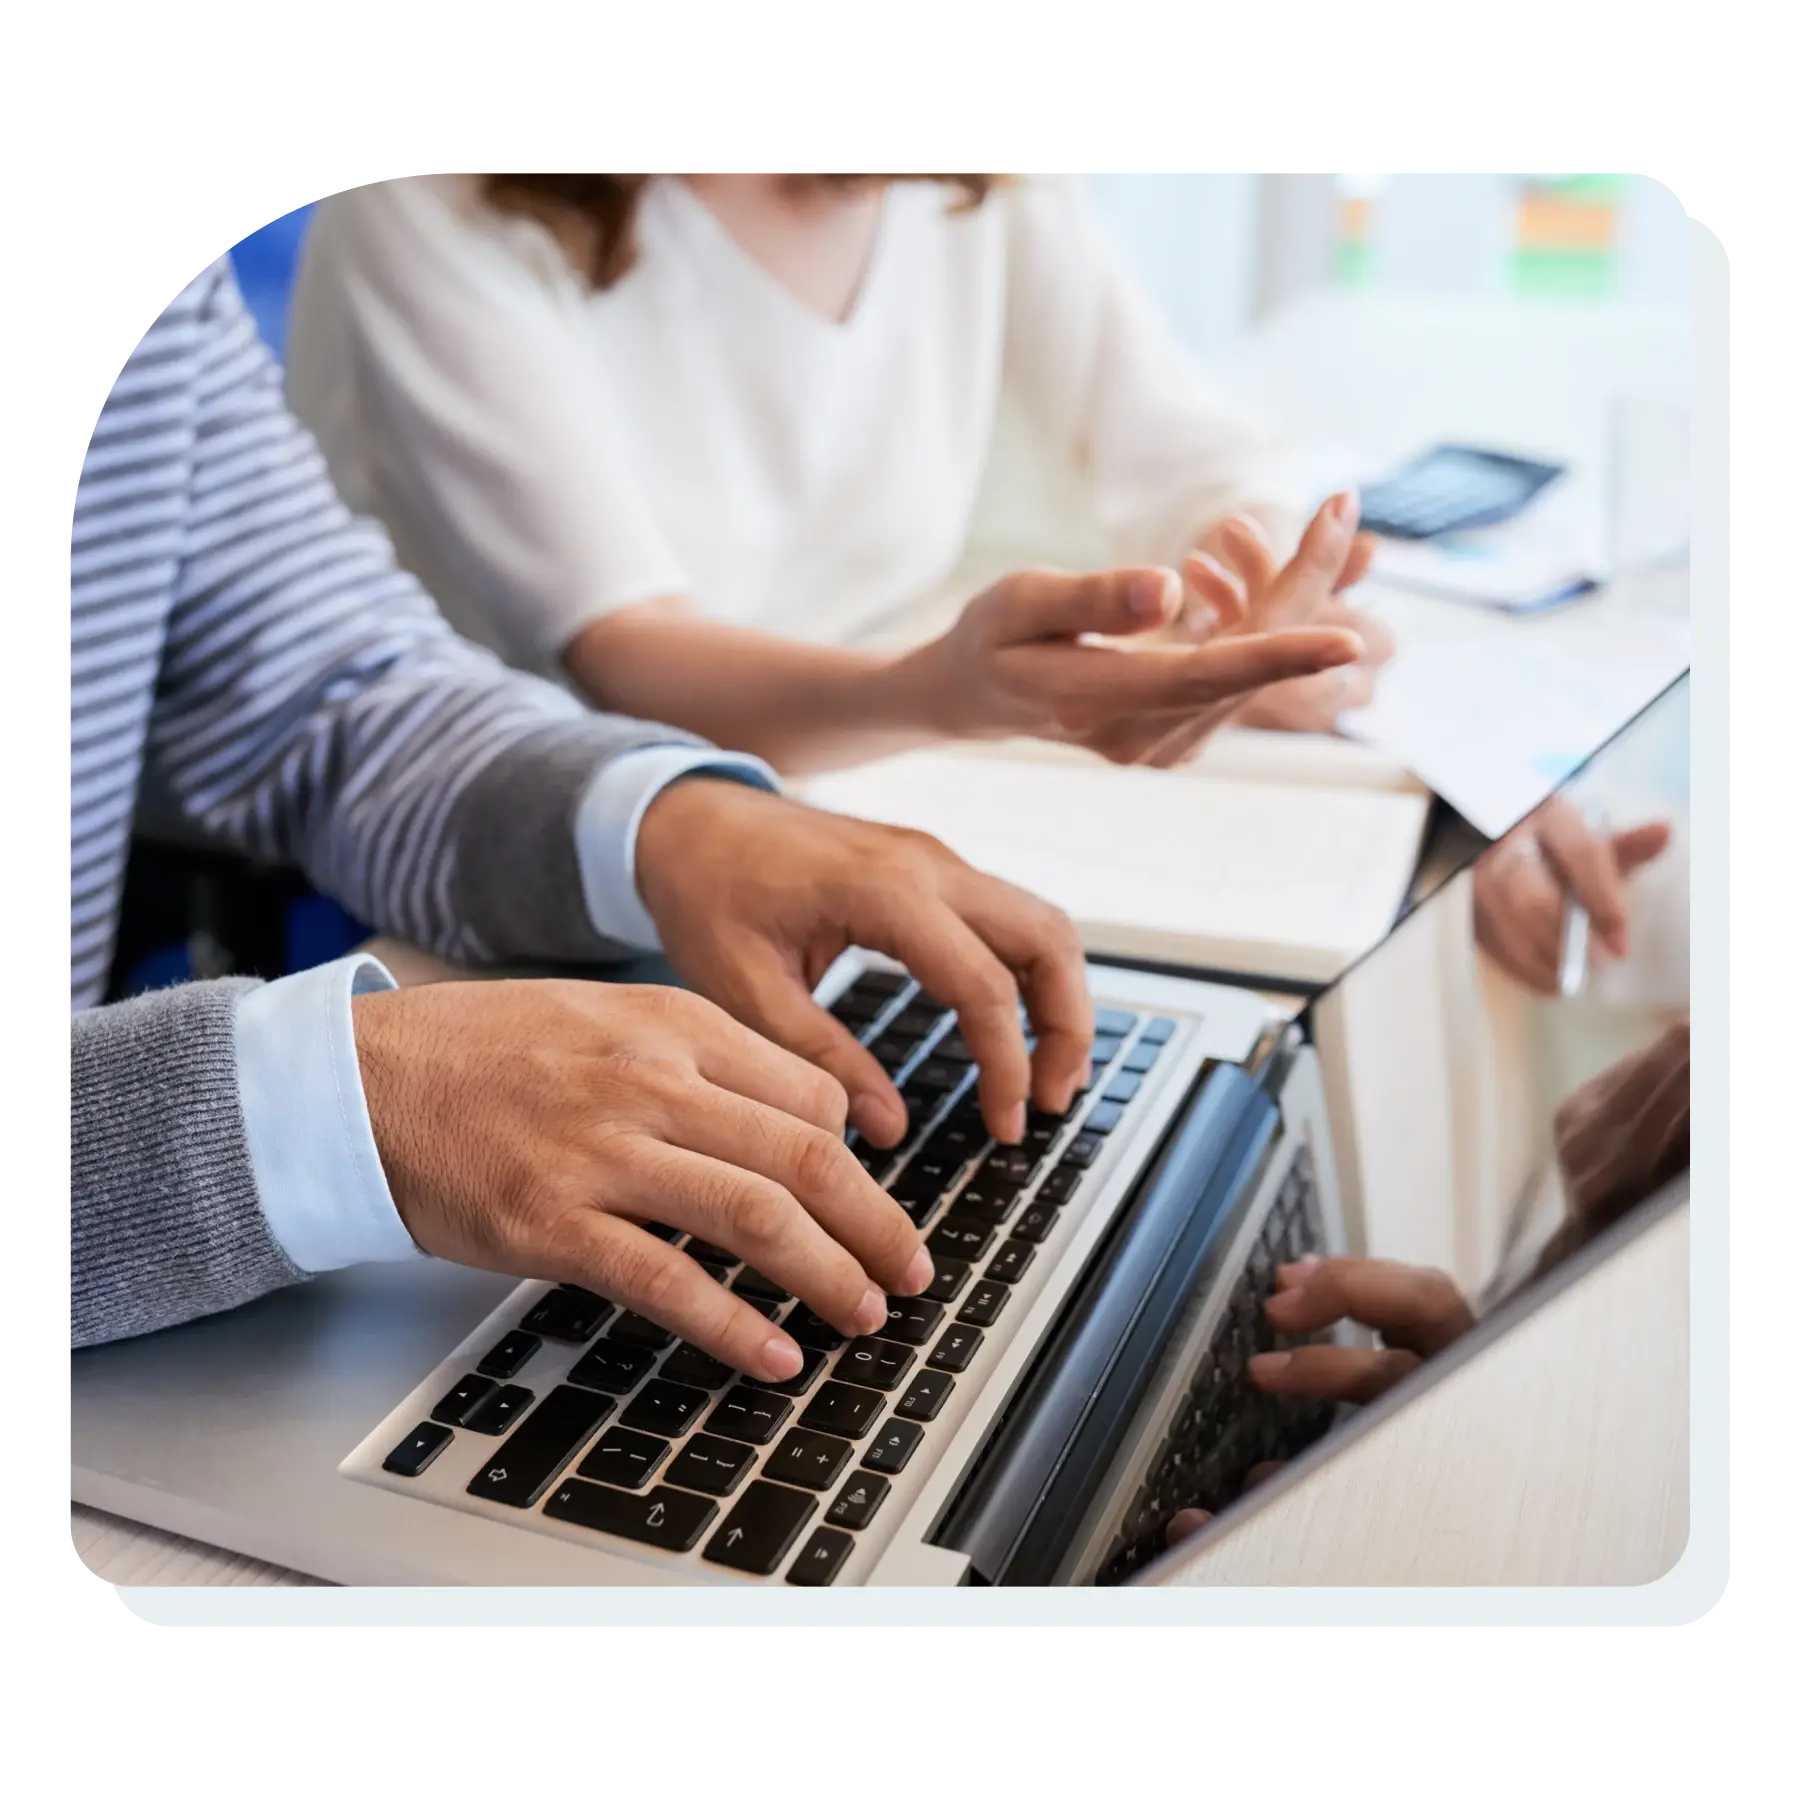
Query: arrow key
[859,1500]
[760,1529]
[665,1517]
[821,1559]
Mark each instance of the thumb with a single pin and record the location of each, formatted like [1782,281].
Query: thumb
[770,996]
[1115,603]
[1641,844]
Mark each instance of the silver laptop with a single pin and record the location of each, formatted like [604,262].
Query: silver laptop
[1074,1377]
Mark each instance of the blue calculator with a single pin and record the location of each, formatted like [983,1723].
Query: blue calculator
[1453,488]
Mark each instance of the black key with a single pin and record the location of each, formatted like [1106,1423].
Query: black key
[982,1203]
[720,1275]
[759,1287]
[613,1368]
[953,1049]
[714,1465]
[1010,1261]
[859,1500]
[657,1229]
[462,1400]
[634,1328]
[692,1365]
[665,1517]
[886,982]
[1109,1021]
[1082,1152]
[627,1459]
[569,1317]
[533,1457]
[1009,1165]
[936,1076]
[1060,1183]
[811,1362]
[821,1559]
[958,1139]
[749,1415]
[891,1052]
[930,1389]
[812,1459]
[966,1241]
[1142,1057]
[494,1414]
[984,1306]
[857,1009]
[956,1349]
[1039,1138]
[927,1175]
[1036,1222]
[509,1356]
[664,1406]
[808,1329]
[874,1362]
[893,1447]
[918,1205]
[704,1252]
[870,1157]
[418,1450]
[949,1275]
[1122,1090]
[768,1308]
[915,1019]
[1101,1052]
[759,1529]
[843,1411]
[1101,1119]
[1159,1031]
[910,1321]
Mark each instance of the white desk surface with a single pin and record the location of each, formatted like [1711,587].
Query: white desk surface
[1388,374]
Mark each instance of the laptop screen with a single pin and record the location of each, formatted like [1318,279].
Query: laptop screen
[1506,1084]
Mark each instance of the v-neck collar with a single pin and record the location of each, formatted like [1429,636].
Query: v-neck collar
[700,226]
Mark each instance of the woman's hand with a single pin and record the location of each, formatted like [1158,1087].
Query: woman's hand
[1523,883]
[1235,582]
[1048,655]
[1416,1311]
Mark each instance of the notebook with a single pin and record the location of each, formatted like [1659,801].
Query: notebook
[1258,878]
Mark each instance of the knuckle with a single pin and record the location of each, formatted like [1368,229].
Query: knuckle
[760,1213]
[821,1161]
[653,1281]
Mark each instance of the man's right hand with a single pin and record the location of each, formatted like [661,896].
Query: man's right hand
[526,1126]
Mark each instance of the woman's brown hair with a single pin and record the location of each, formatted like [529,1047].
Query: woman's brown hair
[594,216]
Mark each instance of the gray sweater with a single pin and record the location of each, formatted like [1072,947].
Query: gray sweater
[249,665]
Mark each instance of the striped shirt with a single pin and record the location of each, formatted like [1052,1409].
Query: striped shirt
[251,670]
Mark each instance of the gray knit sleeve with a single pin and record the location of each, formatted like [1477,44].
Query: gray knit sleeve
[165,1220]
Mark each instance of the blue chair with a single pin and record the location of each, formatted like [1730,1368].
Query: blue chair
[264,263]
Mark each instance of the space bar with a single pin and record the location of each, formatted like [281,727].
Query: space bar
[533,1457]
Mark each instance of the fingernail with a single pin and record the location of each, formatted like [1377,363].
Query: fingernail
[1150,595]
[781,1357]
[919,1272]
[1271,1362]
[1299,1269]
[878,1121]
[872,1311]
[1013,1124]
[1345,507]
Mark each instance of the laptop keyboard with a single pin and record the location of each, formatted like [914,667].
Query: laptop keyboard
[678,1452]
[1225,1427]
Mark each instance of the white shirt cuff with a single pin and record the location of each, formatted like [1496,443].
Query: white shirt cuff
[312,1151]
[606,828]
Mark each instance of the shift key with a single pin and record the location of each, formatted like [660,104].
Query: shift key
[535,1455]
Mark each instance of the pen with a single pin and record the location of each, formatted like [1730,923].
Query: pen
[1572,956]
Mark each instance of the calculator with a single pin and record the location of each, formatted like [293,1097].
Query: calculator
[1453,488]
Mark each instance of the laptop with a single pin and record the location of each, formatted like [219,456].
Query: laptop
[1074,1377]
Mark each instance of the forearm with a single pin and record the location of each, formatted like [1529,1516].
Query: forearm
[165,1220]
[802,707]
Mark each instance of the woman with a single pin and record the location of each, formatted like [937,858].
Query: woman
[680,439]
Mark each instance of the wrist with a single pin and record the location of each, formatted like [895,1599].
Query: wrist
[683,829]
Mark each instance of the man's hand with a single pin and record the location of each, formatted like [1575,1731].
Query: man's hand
[525,1126]
[1417,1311]
[1237,583]
[755,897]
[1050,655]
[1621,1136]
[1522,884]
